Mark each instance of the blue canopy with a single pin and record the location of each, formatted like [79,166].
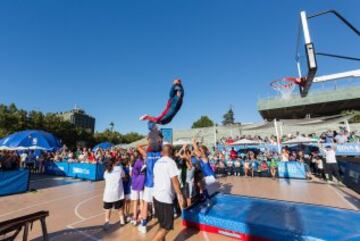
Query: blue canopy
[103,146]
[30,140]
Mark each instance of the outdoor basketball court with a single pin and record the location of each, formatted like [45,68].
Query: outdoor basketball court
[76,206]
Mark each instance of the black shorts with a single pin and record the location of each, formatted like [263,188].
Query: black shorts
[165,214]
[116,205]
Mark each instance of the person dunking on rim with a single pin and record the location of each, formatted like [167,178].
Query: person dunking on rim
[172,107]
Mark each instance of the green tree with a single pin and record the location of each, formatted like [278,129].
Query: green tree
[13,119]
[204,121]
[228,117]
[356,113]
[132,137]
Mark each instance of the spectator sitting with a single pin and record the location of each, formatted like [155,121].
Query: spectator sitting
[233,154]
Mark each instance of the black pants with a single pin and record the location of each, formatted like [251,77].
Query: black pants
[321,173]
[332,169]
[165,214]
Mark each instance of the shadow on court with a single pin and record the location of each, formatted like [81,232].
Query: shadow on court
[226,188]
[186,234]
[86,233]
[38,181]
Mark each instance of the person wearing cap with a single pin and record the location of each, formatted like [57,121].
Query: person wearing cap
[331,167]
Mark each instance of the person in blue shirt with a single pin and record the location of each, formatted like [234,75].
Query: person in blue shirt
[127,188]
[151,152]
[202,154]
[172,107]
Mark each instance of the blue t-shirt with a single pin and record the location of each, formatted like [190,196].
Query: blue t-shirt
[127,182]
[194,160]
[175,89]
[206,168]
[151,158]
[255,165]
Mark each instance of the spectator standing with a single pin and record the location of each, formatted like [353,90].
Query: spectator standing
[320,167]
[332,169]
[137,185]
[166,184]
[114,191]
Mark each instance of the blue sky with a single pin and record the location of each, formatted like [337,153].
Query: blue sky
[116,59]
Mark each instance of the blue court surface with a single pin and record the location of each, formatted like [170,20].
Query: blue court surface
[248,218]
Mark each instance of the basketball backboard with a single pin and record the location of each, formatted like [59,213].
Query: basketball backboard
[305,56]
[306,61]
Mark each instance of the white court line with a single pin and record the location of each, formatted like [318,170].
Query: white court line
[76,210]
[343,198]
[205,235]
[47,202]
[84,220]
[83,233]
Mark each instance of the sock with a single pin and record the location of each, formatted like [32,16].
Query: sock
[143,222]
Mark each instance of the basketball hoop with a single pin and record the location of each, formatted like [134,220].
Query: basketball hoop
[285,86]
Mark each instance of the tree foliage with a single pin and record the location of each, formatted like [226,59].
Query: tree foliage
[356,113]
[228,118]
[13,119]
[204,121]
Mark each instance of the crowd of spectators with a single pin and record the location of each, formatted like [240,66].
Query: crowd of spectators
[340,136]
[251,163]
[9,160]
[31,159]
[241,162]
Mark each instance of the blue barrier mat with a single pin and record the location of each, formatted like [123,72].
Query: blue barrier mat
[275,220]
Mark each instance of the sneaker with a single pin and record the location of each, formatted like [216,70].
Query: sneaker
[133,222]
[128,219]
[106,226]
[143,117]
[142,229]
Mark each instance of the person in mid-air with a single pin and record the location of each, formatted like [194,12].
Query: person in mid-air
[172,107]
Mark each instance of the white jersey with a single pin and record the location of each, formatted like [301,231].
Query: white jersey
[114,189]
[164,169]
[330,156]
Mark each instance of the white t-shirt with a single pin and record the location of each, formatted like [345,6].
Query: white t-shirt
[320,164]
[330,156]
[23,157]
[114,190]
[164,169]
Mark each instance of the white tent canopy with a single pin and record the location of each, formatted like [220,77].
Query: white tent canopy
[181,142]
[299,140]
[245,142]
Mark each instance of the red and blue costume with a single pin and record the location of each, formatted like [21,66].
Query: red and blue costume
[172,107]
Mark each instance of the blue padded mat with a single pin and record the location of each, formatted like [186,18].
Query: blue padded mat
[276,220]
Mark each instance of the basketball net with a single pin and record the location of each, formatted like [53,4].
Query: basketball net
[285,86]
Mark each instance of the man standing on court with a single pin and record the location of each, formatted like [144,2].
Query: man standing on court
[331,167]
[166,186]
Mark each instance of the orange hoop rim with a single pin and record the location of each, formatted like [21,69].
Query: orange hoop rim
[285,83]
